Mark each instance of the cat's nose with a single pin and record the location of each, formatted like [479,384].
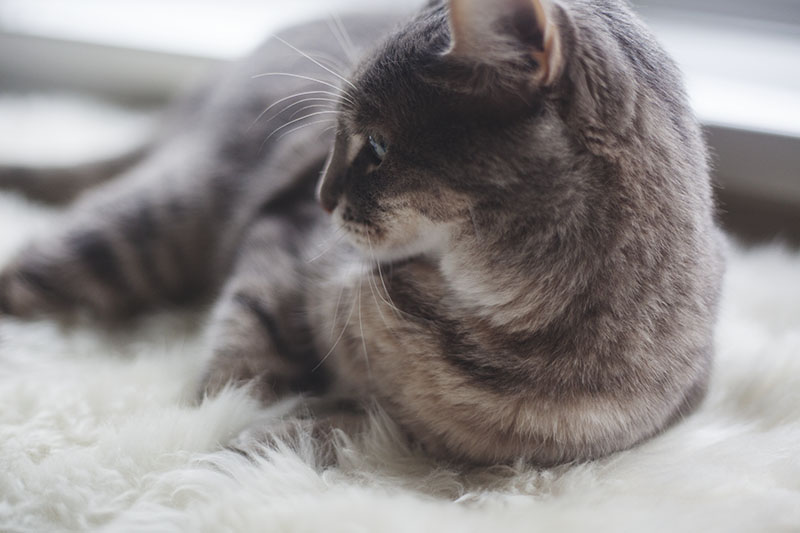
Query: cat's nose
[330,190]
[328,207]
[327,197]
[331,184]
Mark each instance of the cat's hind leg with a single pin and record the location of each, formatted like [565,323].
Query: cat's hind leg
[61,185]
[143,239]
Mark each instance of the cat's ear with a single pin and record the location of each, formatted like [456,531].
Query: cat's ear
[493,31]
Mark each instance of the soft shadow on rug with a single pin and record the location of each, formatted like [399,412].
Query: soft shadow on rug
[98,430]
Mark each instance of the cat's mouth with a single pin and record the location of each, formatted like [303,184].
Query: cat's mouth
[362,235]
[365,235]
[397,236]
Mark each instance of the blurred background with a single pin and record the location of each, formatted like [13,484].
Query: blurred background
[741,60]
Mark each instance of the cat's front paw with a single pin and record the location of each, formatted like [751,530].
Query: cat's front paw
[227,371]
[309,425]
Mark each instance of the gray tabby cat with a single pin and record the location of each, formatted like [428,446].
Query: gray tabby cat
[521,260]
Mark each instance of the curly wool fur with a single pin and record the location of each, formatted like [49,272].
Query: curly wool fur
[97,433]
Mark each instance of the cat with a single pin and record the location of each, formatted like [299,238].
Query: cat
[499,225]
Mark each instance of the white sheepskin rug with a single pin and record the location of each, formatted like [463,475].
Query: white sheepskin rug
[98,430]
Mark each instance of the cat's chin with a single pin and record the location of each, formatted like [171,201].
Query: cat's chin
[393,254]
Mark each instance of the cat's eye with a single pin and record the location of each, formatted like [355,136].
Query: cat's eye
[379,148]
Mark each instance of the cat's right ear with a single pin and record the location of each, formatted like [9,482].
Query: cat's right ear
[493,32]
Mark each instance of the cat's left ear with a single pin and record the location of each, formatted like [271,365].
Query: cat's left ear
[497,31]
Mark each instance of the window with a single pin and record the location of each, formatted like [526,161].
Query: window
[783,12]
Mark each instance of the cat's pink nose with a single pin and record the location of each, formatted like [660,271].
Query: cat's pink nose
[328,204]
[331,184]
[328,196]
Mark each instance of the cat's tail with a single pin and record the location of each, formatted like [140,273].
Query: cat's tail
[62,184]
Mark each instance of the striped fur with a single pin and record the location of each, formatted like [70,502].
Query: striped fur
[521,260]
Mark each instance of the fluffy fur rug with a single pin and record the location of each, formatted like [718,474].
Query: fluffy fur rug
[97,430]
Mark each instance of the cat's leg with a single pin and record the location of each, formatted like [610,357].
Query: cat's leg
[259,334]
[144,239]
[312,424]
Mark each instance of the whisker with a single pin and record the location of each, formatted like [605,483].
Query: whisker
[372,283]
[390,303]
[338,339]
[310,99]
[305,93]
[336,310]
[348,48]
[335,31]
[306,108]
[330,246]
[307,78]
[320,65]
[304,100]
[300,127]
[295,121]
[326,130]
[330,60]
[361,323]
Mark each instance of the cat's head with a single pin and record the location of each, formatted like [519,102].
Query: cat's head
[476,113]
